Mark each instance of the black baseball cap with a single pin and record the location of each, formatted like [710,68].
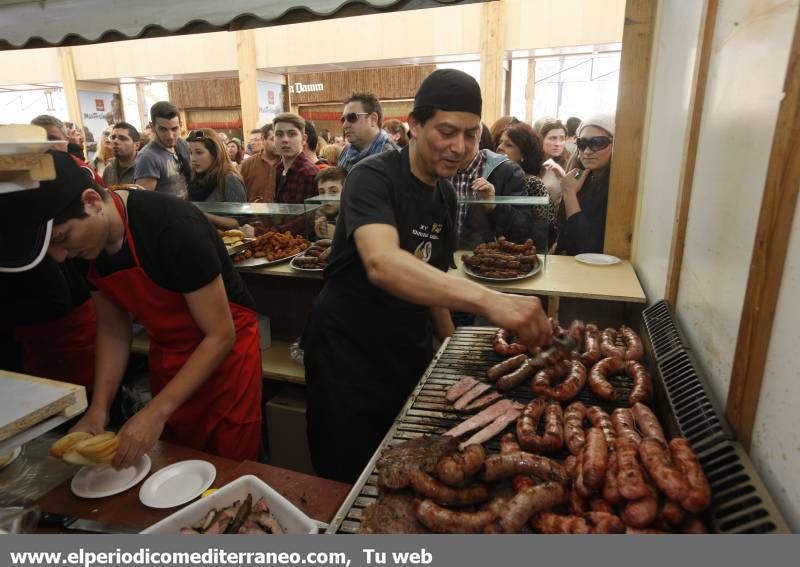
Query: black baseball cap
[27,214]
[450,89]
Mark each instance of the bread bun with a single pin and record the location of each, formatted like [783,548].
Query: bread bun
[67,442]
[100,448]
[75,458]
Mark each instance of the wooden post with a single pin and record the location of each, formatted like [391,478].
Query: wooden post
[67,65]
[530,90]
[769,256]
[248,87]
[634,77]
[493,53]
[690,151]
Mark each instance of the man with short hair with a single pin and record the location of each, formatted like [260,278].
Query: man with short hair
[393,244]
[311,144]
[362,124]
[125,145]
[254,143]
[572,124]
[295,173]
[259,171]
[163,164]
[57,132]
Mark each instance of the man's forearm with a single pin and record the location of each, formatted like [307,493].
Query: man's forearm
[113,348]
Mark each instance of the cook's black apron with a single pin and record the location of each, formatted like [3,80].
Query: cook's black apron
[366,350]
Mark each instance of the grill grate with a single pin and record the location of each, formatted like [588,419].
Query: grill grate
[740,501]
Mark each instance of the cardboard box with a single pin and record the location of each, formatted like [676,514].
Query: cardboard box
[286,429]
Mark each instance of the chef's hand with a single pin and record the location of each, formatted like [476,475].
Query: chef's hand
[138,436]
[94,421]
[573,181]
[484,190]
[523,316]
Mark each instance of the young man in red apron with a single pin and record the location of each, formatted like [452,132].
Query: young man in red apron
[158,259]
[53,318]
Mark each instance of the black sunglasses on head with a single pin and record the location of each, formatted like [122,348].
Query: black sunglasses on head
[352,117]
[595,144]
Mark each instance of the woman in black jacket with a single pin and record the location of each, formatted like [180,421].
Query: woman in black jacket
[582,216]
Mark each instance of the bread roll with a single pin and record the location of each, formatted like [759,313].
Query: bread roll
[67,442]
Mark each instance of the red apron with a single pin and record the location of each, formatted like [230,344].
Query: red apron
[63,348]
[223,416]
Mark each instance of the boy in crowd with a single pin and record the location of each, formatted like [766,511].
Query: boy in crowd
[329,182]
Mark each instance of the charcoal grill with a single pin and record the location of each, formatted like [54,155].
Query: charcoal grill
[741,503]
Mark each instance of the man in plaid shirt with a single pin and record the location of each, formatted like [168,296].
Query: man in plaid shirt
[295,173]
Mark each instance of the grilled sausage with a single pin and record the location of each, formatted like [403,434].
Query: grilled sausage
[629,476]
[577,503]
[550,523]
[604,522]
[504,346]
[577,330]
[598,377]
[503,368]
[509,444]
[672,514]
[608,344]
[641,513]
[595,459]
[657,461]
[592,352]
[601,505]
[569,465]
[625,425]
[643,531]
[633,343]
[610,485]
[427,486]
[498,467]
[647,422]
[553,438]
[573,427]
[642,390]
[513,379]
[601,419]
[545,378]
[569,388]
[445,521]
[693,526]
[457,468]
[525,504]
[698,494]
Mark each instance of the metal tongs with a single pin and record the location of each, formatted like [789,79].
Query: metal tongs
[561,348]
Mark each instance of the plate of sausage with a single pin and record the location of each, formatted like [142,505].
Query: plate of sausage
[501,275]
[314,259]
[502,261]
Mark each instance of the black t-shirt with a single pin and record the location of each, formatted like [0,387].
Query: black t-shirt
[382,190]
[177,247]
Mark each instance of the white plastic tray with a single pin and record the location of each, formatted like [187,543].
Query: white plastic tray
[288,515]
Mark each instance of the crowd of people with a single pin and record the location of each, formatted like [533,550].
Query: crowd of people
[142,250]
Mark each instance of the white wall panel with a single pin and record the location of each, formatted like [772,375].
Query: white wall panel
[674,54]
[747,69]
[776,433]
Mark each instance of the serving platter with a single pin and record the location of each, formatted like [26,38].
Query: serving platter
[478,276]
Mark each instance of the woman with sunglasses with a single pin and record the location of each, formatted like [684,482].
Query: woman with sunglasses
[521,144]
[582,216]
[214,175]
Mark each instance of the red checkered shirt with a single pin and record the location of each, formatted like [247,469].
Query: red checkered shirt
[298,184]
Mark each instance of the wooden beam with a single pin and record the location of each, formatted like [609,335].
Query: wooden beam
[769,256]
[67,65]
[634,78]
[699,81]
[492,54]
[248,86]
[530,90]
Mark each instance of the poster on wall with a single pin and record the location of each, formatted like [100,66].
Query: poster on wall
[270,101]
[100,111]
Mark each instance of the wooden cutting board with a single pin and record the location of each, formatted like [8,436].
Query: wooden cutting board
[28,400]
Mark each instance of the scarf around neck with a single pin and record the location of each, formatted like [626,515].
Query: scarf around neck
[351,155]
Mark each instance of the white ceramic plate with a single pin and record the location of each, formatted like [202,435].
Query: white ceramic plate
[177,484]
[8,148]
[301,269]
[99,482]
[9,457]
[259,262]
[597,259]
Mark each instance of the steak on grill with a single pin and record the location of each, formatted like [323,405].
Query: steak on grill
[391,514]
[416,454]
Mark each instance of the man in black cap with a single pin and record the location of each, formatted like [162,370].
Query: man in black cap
[369,337]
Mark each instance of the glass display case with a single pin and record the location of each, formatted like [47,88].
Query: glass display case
[480,219]
[265,216]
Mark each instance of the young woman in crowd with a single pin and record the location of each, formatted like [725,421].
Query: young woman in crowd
[214,176]
[397,131]
[521,144]
[105,152]
[582,216]
[499,126]
[235,150]
[556,156]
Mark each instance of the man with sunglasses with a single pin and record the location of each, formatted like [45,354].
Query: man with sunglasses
[369,337]
[362,124]
[582,216]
